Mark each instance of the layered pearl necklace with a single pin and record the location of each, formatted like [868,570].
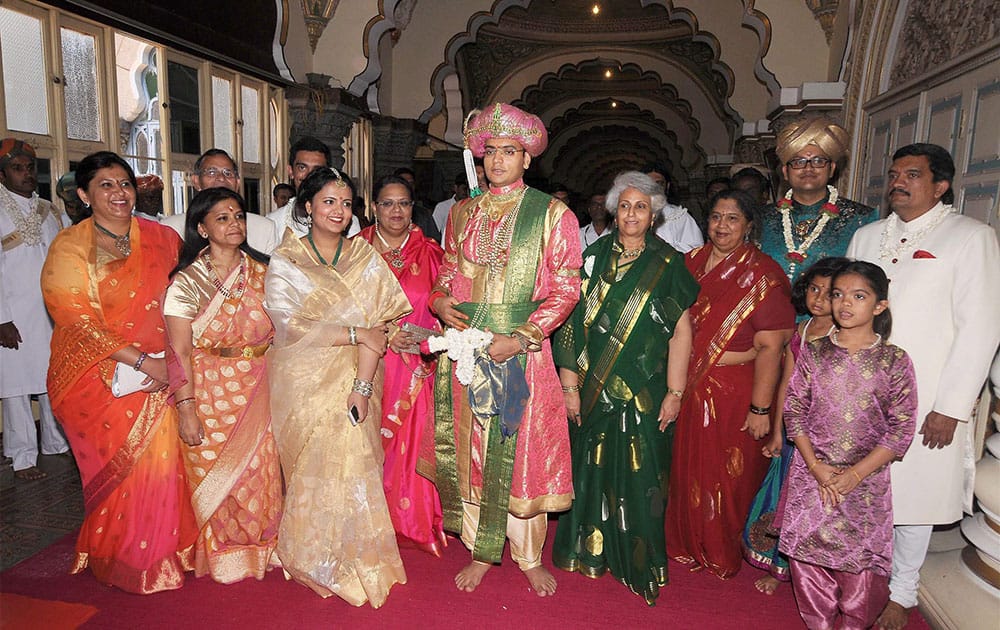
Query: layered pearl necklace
[798,254]
[909,240]
[29,226]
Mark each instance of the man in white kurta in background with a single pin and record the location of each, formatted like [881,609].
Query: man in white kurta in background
[216,169]
[460,191]
[944,295]
[27,226]
[305,156]
[675,225]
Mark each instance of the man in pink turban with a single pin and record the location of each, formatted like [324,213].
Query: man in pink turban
[501,457]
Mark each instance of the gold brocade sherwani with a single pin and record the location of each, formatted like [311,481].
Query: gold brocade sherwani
[541,480]
[336,536]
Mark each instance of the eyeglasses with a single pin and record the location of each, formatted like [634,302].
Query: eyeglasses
[387,204]
[505,151]
[213,172]
[817,161]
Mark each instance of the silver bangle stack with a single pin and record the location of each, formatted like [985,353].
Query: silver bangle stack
[365,388]
[352,335]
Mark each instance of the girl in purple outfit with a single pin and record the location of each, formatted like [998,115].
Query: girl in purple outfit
[850,411]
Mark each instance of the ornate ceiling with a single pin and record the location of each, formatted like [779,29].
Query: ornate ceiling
[636,81]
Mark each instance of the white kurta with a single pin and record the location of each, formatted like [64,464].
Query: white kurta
[679,229]
[23,371]
[946,315]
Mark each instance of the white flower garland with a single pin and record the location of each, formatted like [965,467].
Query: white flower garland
[798,254]
[913,239]
[462,347]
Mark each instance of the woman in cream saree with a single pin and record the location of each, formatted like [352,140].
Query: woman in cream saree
[336,536]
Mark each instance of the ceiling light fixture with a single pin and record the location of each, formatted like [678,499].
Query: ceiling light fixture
[596,9]
[607,74]
[614,104]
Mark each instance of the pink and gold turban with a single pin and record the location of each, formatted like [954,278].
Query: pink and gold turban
[823,133]
[506,121]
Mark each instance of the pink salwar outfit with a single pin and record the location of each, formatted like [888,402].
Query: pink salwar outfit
[841,556]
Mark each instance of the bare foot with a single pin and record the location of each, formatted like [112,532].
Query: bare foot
[893,617]
[30,474]
[542,582]
[469,578]
[767,584]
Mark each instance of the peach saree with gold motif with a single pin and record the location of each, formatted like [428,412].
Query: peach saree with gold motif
[234,474]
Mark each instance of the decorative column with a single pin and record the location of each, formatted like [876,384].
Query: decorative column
[396,141]
[325,113]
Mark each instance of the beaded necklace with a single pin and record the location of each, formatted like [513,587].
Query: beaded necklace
[122,243]
[394,254]
[336,256]
[28,226]
[241,278]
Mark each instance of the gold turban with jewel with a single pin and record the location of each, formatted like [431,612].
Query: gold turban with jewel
[822,133]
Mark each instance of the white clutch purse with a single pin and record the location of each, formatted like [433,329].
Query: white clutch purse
[128,380]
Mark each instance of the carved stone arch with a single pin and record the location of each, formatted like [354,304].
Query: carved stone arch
[759,23]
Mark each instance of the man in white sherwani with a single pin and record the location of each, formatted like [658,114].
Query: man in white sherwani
[944,295]
[27,226]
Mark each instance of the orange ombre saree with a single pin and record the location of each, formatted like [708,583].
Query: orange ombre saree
[138,532]
[234,474]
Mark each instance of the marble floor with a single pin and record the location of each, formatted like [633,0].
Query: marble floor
[35,514]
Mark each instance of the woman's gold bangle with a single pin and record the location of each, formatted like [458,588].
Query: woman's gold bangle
[676,392]
[815,462]
[856,475]
[570,388]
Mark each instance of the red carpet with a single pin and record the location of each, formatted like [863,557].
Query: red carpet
[429,600]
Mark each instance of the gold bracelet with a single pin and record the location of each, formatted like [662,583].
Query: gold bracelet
[813,465]
[352,335]
[856,475]
[676,392]
[570,388]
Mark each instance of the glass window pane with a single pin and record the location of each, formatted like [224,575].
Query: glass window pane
[251,124]
[222,110]
[138,104]
[180,191]
[24,79]
[185,116]
[83,118]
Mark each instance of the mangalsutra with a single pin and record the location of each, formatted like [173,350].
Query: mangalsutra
[214,277]
[394,254]
[122,243]
[633,253]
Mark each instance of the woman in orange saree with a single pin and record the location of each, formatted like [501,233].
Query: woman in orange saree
[742,319]
[219,332]
[103,282]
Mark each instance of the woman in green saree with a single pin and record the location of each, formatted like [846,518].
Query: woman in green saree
[623,359]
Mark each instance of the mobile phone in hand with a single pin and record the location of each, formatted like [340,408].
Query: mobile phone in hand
[354,415]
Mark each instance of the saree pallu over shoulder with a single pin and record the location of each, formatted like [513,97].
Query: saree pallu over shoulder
[716,467]
[139,529]
[617,342]
[234,474]
[336,536]
[408,402]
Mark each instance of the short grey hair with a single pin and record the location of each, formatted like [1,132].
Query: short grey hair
[641,182]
